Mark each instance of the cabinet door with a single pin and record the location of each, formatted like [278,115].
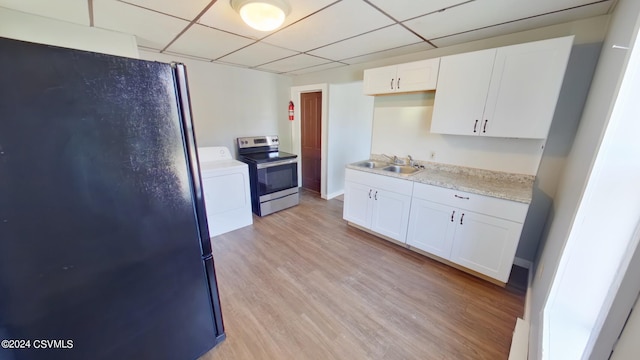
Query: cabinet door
[380,80]
[390,215]
[485,244]
[463,84]
[418,75]
[431,227]
[525,85]
[357,207]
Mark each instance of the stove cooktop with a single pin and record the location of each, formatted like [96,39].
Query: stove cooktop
[263,157]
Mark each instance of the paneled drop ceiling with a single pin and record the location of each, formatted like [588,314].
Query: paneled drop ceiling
[317,34]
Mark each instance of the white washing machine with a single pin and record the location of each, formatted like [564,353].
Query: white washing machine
[225,184]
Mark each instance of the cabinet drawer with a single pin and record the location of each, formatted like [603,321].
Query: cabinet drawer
[388,183]
[505,209]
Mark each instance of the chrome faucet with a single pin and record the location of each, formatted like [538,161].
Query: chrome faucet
[395,160]
[410,160]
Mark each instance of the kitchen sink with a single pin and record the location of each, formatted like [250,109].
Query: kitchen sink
[371,164]
[399,169]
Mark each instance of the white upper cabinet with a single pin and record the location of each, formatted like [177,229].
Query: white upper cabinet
[462,92]
[380,80]
[413,76]
[505,92]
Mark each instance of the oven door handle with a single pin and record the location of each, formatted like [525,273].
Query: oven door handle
[277,163]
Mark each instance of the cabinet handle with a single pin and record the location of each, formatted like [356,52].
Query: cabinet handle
[391,84]
[475,126]
[452,214]
[398,84]
[375,196]
[461,217]
[370,193]
[462,197]
[484,128]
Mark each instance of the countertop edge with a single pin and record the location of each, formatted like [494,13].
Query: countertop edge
[418,177]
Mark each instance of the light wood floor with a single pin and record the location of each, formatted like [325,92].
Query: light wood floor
[301,284]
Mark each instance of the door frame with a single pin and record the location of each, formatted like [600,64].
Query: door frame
[296,131]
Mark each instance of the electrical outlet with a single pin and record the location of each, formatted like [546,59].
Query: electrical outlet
[433,155]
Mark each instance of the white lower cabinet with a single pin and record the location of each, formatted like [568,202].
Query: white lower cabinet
[379,203]
[357,207]
[477,232]
[485,244]
[431,227]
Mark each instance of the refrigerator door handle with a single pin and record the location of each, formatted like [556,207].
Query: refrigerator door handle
[180,78]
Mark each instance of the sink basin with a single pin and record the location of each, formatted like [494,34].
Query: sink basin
[406,170]
[371,164]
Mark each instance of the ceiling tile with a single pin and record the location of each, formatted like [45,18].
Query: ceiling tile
[222,16]
[330,25]
[296,62]
[526,24]
[75,11]
[404,50]
[405,9]
[256,54]
[203,41]
[322,67]
[475,15]
[186,56]
[183,9]
[152,30]
[390,37]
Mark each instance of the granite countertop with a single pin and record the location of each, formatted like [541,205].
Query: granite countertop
[508,186]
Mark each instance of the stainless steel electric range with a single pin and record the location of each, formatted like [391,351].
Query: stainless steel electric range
[273,174]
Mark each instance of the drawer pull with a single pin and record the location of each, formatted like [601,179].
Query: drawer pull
[375,196]
[462,197]
[391,84]
[461,217]
[452,214]
[370,193]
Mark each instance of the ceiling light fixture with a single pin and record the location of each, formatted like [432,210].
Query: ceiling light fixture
[263,15]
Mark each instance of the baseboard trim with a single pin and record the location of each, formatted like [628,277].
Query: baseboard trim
[527,297]
[520,341]
[333,195]
[522,263]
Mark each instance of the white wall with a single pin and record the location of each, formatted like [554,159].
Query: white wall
[579,162]
[230,102]
[349,132]
[590,269]
[401,126]
[27,27]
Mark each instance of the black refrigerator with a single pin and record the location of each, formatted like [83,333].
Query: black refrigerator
[104,246]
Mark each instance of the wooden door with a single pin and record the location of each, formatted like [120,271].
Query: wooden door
[311,128]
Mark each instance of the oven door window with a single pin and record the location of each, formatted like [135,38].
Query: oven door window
[277,178]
